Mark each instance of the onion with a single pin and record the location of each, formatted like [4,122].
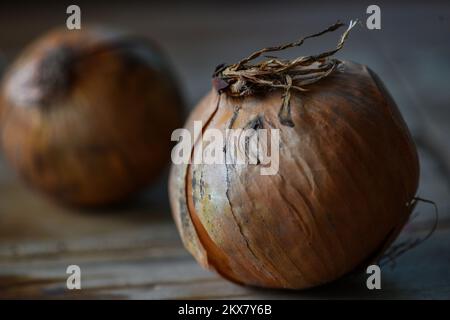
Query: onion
[86,116]
[348,174]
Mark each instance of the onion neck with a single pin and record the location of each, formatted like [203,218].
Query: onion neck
[42,81]
[54,76]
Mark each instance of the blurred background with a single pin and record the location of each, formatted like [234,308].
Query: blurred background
[133,250]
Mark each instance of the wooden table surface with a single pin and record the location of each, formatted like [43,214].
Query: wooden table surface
[134,252]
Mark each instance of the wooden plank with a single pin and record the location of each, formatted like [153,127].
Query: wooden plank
[421,273]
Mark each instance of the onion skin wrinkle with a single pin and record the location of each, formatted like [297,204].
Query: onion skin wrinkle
[86,116]
[347,176]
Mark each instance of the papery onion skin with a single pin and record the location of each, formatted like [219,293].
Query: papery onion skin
[348,172]
[86,115]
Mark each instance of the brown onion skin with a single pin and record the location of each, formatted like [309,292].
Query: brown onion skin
[348,171]
[86,116]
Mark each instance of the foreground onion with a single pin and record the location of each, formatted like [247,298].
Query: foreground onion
[348,174]
[86,116]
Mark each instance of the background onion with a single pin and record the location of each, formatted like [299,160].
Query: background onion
[86,116]
[347,176]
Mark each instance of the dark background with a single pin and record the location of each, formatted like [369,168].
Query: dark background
[411,54]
